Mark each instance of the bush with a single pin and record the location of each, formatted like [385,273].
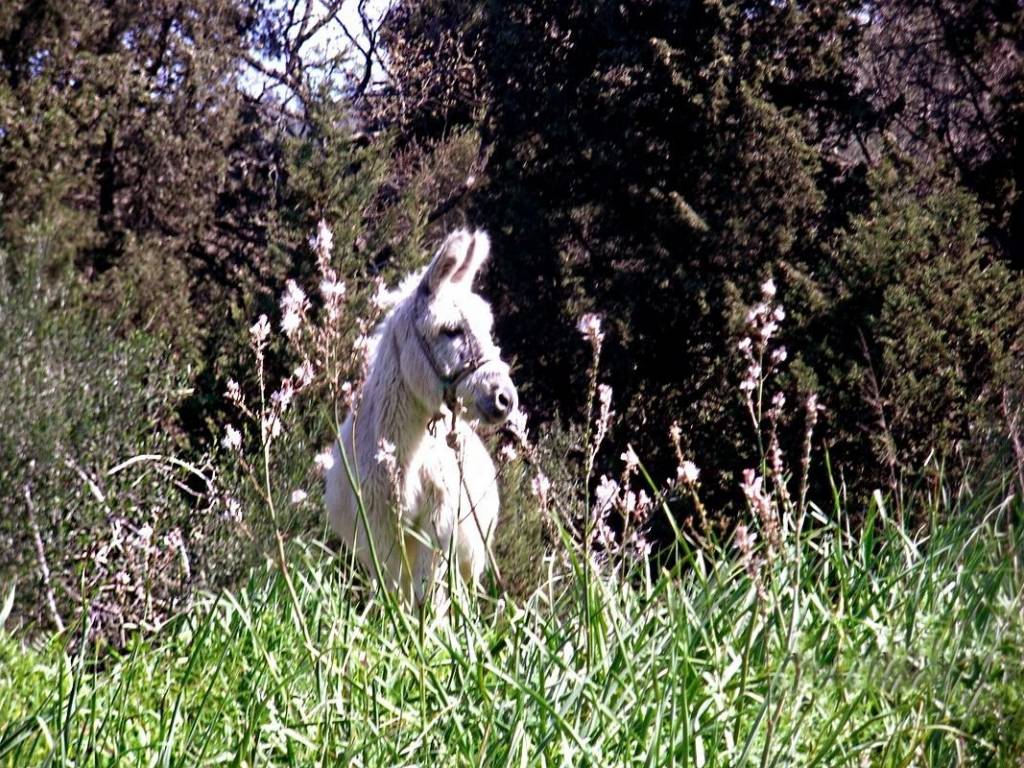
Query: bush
[76,399]
[656,161]
[925,342]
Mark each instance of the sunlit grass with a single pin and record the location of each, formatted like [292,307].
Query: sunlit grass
[878,650]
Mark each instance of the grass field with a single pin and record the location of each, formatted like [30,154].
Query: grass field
[880,649]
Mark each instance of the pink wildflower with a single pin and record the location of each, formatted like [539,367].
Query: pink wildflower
[589,326]
[539,487]
[386,454]
[232,439]
[260,330]
[687,472]
[324,460]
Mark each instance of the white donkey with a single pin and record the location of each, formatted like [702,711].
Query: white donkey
[433,356]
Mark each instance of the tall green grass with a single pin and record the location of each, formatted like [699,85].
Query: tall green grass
[880,649]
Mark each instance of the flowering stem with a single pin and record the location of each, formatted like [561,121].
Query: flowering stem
[267,439]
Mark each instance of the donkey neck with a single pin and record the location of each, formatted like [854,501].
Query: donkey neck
[392,412]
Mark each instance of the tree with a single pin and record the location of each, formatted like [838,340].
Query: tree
[655,162]
[949,77]
[649,161]
[120,115]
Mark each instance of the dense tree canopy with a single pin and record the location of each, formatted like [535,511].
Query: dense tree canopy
[656,161]
[650,161]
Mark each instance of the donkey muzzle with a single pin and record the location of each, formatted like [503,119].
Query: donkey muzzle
[498,402]
[491,393]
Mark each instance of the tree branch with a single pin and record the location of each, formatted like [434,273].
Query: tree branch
[44,569]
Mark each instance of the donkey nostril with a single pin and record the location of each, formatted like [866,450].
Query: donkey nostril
[502,401]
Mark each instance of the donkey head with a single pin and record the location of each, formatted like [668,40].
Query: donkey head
[453,356]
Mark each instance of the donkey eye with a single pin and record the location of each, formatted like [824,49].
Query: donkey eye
[451,333]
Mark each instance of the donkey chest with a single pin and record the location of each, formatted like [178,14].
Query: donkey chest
[429,476]
[434,478]
[444,477]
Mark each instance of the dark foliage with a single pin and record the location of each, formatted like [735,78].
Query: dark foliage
[655,161]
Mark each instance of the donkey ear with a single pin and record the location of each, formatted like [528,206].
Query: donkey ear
[448,260]
[479,250]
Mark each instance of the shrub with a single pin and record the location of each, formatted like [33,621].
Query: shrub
[77,399]
[925,338]
[655,161]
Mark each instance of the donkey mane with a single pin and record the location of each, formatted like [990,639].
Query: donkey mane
[388,301]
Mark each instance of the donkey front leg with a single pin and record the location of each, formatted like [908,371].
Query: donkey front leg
[431,554]
[427,579]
